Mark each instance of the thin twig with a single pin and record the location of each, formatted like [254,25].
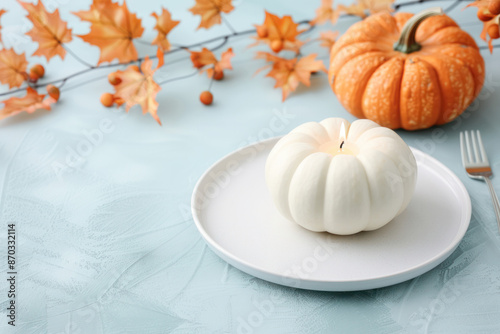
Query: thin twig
[212,78]
[140,41]
[224,39]
[76,57]
[228,25]
[314,40]
[84,83]
[416,2]
[310,27]
[224,42]
[178,78]
[484,47]
[451,7]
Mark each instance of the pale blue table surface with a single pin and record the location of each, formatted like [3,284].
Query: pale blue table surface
[108,245]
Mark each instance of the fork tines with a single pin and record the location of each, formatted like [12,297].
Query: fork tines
[473,154]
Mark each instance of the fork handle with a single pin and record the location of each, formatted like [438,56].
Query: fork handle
[494,197]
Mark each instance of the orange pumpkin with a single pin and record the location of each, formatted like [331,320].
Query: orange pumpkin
[406,71]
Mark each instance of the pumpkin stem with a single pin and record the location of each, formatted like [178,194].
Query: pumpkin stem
[406,42]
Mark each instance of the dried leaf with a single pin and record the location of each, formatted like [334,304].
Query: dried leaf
[486,24]
[479,3]
[328,38]
[205,58]
[161,58]
[202,58]
[375,6]
[269,57]
[210,11]
[30,103]
[361,7]
[112,29]
[164,24]
[94,14]
[137,87]
[2,11]
[288,73]
[48,30]
[356,9]
[484,34]
[326,13]
[279,33]
[12,68]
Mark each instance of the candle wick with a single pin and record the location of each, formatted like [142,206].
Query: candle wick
[341,144]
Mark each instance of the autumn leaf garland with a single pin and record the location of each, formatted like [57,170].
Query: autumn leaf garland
[113,30]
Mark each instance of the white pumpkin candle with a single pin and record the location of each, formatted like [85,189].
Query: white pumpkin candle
[324,185]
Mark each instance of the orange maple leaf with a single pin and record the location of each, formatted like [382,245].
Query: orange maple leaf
[495,20]
[269,57]
[279,33]
[48,30]
[12,68]
[2,11]
[137,87]
[30,103]
[94,14]
[326,13]
[210,11]
[112,29]
[361,7]
[164,24]
[288,73]
[328,38]
[355,9]
[205,57]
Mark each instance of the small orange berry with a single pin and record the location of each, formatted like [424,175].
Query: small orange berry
[114,79]
[494,7]
[218,75]
[107,99]
[32,77]
[206,98]
[484,14]
[37,70]
[262,31]
[277,45]
[53,92]
[493,31]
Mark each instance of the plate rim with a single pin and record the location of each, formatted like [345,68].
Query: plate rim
[419,269]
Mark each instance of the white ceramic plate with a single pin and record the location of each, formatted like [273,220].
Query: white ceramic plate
[234,213]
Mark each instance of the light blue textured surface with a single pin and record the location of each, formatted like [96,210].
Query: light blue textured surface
[108,245]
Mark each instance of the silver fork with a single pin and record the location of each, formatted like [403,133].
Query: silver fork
[477,165]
